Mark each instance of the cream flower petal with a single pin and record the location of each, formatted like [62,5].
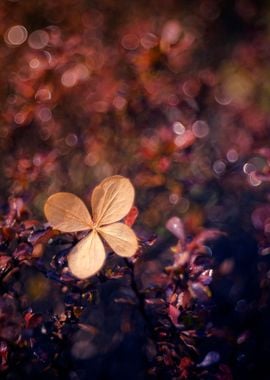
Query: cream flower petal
[67,212]
[120,238]
[112,200]
[87,257]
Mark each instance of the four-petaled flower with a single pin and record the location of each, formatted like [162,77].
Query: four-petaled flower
[110,202]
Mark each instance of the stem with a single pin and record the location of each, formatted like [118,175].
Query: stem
[141,300]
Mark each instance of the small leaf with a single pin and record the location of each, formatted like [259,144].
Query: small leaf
[131,216]
[67,212]
[87,257]
[176,227]
[43,236]
[112,200]
[211,358]
[4,262]
[120,238]
[32,320]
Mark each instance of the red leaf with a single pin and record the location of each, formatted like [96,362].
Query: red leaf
[32,320]
[131,216]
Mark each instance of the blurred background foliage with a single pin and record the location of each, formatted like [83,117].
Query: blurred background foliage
[174,95]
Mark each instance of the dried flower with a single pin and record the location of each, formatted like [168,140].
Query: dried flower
[111,201]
